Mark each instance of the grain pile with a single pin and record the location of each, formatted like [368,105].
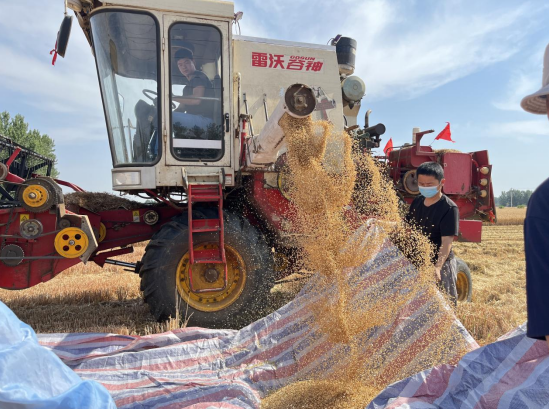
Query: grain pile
[332,245]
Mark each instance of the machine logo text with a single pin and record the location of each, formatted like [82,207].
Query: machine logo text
[287,62]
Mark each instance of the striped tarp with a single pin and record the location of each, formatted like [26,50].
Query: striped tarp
[205,368]
[512,373]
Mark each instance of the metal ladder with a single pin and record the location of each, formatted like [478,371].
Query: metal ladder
[206,194]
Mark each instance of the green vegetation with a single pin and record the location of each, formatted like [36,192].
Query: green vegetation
[514,198]
[16,129]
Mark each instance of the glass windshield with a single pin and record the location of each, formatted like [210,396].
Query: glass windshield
[197,118]
[126,50]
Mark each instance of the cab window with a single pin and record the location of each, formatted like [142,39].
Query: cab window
[196,92]
[126,51]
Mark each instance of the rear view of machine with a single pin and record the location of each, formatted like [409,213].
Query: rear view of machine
[468,181]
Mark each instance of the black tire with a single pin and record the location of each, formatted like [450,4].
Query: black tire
[464,281]
[166,249]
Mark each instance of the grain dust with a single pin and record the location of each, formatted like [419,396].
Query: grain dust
[333,201]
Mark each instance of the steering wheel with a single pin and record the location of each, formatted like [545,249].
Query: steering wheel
[153,97]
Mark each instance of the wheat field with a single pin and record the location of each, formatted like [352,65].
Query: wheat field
[87,298]
[499,283]
[511,216]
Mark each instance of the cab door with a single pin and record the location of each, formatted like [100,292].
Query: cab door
[197,92]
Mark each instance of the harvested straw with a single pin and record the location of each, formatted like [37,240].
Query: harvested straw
[97,202]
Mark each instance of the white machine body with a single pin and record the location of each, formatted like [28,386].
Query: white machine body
[156,143]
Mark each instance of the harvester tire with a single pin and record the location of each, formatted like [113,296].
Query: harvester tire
[161,266]
[464,281]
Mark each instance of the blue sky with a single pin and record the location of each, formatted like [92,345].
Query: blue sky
[424,62]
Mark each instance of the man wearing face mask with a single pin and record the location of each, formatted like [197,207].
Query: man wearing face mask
[438,218]
[536,230]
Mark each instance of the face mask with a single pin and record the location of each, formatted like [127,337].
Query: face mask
[428,191]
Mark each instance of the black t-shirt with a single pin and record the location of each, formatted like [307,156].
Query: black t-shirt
[436,221]
[205,108]
[536,246]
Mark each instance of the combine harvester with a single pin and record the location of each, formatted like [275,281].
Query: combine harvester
[209,151]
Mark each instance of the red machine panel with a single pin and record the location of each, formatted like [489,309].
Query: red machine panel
[470,231]
[457,172]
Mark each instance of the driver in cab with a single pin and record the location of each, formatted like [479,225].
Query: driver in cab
[194,109]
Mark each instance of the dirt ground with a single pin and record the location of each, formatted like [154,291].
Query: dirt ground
[91,299]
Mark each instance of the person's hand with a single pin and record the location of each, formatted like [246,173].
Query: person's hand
[437,274]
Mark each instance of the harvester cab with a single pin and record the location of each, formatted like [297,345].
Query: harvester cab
[176,86]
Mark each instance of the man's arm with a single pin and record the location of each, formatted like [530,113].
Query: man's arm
[536,243]
[185,101]
[449,227]
[443,254]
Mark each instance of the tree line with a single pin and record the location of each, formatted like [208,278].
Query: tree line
[16,129]
[514,198]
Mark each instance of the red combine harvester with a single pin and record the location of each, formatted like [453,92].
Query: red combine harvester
[468,182]
[192,113]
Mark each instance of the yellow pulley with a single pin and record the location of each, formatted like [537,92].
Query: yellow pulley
[102,233]
[71,242]
[35,196]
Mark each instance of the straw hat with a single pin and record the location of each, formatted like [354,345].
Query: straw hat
[535,103]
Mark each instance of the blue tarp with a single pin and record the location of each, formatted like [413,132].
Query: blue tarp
[35,378]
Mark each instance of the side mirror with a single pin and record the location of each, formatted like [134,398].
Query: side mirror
[63,36]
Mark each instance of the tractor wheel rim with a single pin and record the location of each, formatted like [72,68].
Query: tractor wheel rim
[214,301]
[35,195]
[462,286]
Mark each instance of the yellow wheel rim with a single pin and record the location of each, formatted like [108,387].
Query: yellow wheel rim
[102,233]
[462,286]
[214,301]
[35,195]
[71,242]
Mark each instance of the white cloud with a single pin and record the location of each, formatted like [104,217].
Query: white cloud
[525,131]
[45,85]
[520,84]
[405,48]
[447,46]
[72,132]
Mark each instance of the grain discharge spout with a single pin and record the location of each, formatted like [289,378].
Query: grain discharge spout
[299,102]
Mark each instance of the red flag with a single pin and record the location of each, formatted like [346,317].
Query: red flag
[389,147]
[445,134]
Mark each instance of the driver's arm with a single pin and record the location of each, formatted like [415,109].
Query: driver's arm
[197,92]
